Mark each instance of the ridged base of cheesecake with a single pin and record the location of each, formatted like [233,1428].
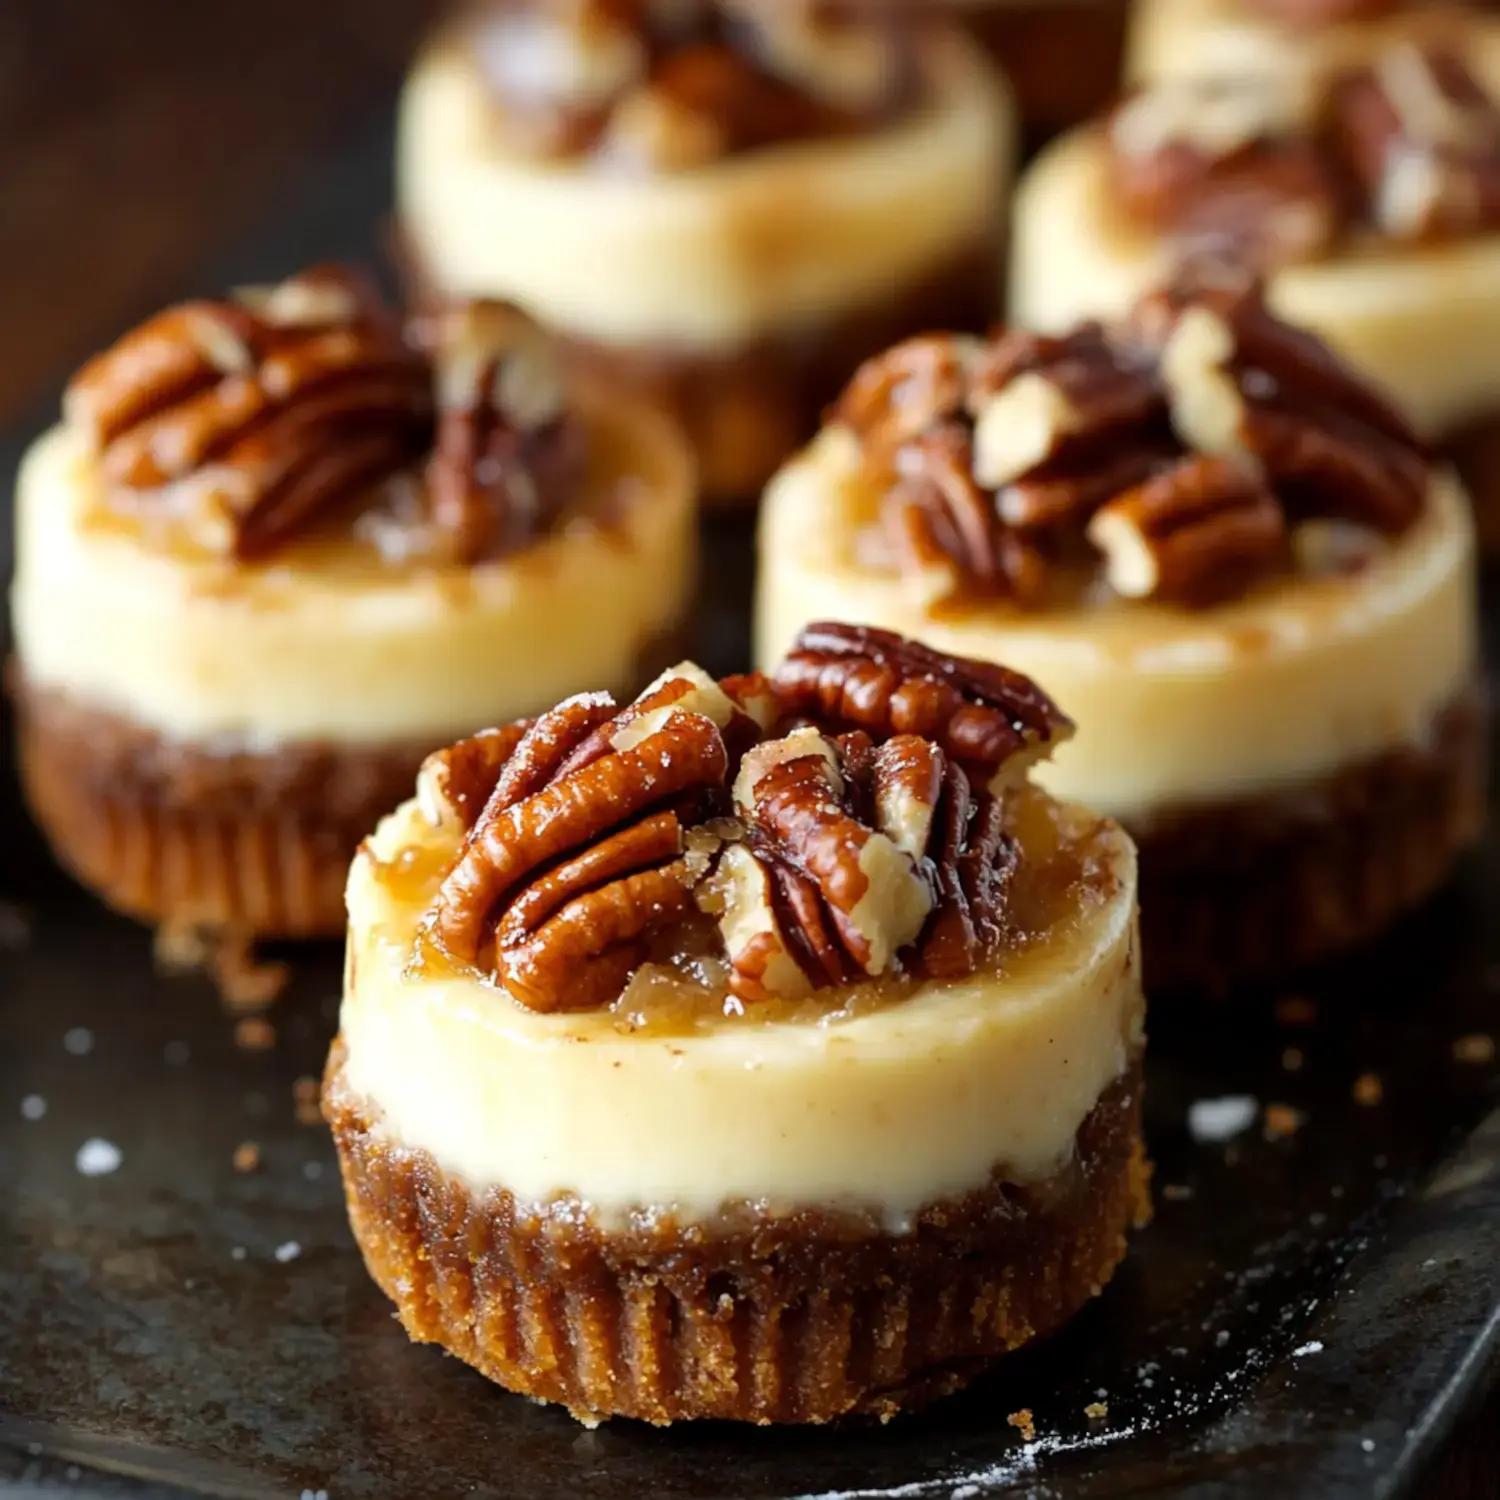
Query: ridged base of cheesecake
[1250,890]
[750,1317]
[745,408]
[180,835]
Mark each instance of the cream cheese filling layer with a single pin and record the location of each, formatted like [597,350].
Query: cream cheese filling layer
[1424,323]
[886,1111]
[773,242]
[1177,38]
[310,646]
[1173,707]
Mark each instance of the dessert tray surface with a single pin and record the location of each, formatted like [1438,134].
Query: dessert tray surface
[182,1307]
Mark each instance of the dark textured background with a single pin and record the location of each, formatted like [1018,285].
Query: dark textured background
[141,142]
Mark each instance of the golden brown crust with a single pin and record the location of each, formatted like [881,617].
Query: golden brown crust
[1254,889]
[750,1317]
[173,832]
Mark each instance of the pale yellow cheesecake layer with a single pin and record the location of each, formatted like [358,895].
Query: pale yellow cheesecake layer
[1177,38]
[1423,323]
[1173,706]
[325,641]
[761,244]
[884,1111]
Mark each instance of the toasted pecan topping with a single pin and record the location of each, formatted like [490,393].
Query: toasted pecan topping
[249,417]
[994,722]
[835,824]
[1040,453]
[1422,139]
[1193,534]
[669,85]
[1274,170]
[567,871]
[509,453]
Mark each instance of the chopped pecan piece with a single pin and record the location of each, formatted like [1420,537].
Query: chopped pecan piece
[858,897]
[911,389]
[1422,136]
[576,858]
[509,455]
[667,86]
[1193,535]
[1240,379]
[994,722]
[245,419]
[1228,167]
[1058,400]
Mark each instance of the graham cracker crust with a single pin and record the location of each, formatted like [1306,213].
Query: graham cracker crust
[179,835]
[752,1316]
[1237,892]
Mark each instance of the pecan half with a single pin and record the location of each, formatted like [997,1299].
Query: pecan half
[1422,137]
[577,857]
[1046,400]
[995,722]
[1228,167]
[455,783]
[794,799]
[912,388]
[1198,533]
[245,419]
[509,454]
[857,857]
[1242,380]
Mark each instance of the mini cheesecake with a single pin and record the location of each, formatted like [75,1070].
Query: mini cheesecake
[1232,563]
[727,205]
[1368,195]
[280,547]
[1193,38]
[766,1049]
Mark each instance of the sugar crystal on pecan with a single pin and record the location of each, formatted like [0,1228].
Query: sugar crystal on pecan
[247,418]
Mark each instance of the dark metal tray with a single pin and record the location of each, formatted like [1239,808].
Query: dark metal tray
[1305,1317]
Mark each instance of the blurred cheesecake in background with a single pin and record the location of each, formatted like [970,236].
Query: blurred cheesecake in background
[280,547]
[725,204]
[1229,560]
[1189,38]
[1369,196]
